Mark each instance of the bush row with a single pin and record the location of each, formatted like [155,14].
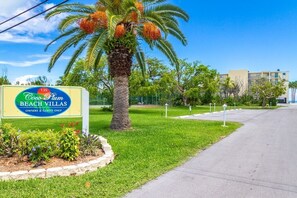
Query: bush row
[68,143]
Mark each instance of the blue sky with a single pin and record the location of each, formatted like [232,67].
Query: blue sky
[230,34]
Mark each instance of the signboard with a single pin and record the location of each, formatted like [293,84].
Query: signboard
[44,102]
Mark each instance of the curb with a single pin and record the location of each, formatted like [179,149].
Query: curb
[207,113]
[71,170]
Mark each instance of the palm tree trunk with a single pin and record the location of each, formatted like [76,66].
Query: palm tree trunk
[120,62]
[264,103]
[293,94]
[120,119]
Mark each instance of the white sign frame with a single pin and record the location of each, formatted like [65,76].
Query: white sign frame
[84,106]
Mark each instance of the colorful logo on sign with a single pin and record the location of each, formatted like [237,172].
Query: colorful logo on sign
[42,101]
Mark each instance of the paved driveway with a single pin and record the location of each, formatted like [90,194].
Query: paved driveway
[258,160]
[242,116]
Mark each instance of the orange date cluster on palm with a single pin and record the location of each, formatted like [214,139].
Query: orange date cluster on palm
[120,31]
[139,6]
[97,19]
[87,25]
[134,15]
[100,18]
[151,31]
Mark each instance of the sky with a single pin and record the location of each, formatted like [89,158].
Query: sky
[257,35]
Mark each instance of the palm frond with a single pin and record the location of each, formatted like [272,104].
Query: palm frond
[113,20]
[73,41]
[128,4]
[113,6]
[71,8]
[69,21]
[171,10]
[74,57]
[166,48]
[147,41]
[95,45]
[139,55]
[169,18]
[98,58]
[176,32]
[69,32]
[153,2]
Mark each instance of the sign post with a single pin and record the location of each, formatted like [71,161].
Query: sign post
[85,112]
[166,110]
[224,115]
[1,105]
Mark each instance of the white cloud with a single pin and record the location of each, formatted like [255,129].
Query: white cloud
[39,56]
[14,38]
[25,63]
[8,7]
[24,79]
[42,59]
[63,57]
[29,31]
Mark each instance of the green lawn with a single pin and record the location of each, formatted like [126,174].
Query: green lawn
[154,145]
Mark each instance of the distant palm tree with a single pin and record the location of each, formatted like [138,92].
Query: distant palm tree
[227,85]
[118,28]
[293,87]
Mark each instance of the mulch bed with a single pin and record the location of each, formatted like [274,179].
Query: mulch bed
[10,164]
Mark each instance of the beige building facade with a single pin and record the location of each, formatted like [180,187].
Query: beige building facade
[245,79]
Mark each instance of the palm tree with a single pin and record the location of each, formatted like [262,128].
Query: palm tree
[227,86]
[118,28]
[293,87]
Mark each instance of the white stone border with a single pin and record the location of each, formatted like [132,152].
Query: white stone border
[207,113]
[77,169]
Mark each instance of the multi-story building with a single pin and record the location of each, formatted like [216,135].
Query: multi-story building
[246,78]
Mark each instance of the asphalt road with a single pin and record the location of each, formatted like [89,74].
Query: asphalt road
[258,160]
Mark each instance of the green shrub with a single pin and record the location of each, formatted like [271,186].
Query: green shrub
[42,145]
[69,144]
[39,145]
[89,145]
[229,101]
[107,109]
[272,102]
[8,140]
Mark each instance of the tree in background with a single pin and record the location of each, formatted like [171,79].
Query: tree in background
[4,80]
[226,87]
[117,28]
[40,80]
[156,82]
[293,87]
[78,76]
[181,76]
[265,90]
[197,83]
[96,81]
[230,89]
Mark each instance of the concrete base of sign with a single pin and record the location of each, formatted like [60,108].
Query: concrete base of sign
[71,170]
